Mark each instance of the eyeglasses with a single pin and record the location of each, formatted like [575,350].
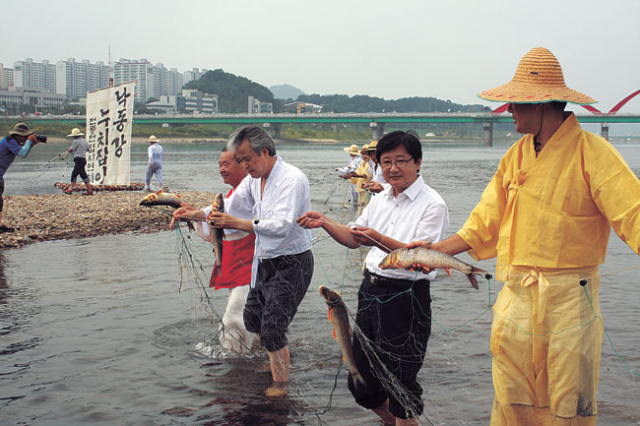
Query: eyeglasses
[400,163]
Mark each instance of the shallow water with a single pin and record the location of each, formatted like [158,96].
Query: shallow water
[99,330]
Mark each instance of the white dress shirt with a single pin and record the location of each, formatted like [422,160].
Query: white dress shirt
[418,213]
[285,198]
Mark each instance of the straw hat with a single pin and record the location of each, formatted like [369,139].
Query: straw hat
[373,145]
[538,79]
[75,132]
[352,150]
[364,148]
[21,129]
[153,139]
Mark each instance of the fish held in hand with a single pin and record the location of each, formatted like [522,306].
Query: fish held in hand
[426,260]
[217,234]
[339,318]
[161,198]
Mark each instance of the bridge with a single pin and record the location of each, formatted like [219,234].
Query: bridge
[377,121]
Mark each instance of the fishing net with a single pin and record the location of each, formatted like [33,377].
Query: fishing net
[456,374]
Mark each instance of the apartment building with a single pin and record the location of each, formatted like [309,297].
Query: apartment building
[32,74]
[75,79]
[6,76]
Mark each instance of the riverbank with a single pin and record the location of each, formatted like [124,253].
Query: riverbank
[60,216]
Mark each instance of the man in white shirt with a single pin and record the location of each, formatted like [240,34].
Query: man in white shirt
[155,163]
[274,195]
[394,306]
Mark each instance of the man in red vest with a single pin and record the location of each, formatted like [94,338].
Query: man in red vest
[236,263]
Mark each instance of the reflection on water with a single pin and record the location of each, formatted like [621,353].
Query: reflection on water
[98,330]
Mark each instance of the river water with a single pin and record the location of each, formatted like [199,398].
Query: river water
[101,330]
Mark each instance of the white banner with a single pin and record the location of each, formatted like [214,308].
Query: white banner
[109,124]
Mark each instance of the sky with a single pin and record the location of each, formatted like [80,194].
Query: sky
[448,49]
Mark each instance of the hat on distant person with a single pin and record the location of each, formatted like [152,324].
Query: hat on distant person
[21,129]
[75,132]
[373,145]
[365,148]
[352,150]
[538,79]
[153,139]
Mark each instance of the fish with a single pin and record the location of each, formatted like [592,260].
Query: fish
[217,234]
[339,318]
[428,260]
[161,198]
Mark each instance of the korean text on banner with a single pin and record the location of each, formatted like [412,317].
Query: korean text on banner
[109,123]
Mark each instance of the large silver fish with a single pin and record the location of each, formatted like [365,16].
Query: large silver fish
[161,199]
[217,234]
[426,260]
[339,318]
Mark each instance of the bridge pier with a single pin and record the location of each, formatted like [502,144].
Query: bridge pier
[378,130]
[604,130]
[488,134]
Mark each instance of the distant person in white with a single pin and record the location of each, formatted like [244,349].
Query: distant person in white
[155,163]
[350,169]
[274,195]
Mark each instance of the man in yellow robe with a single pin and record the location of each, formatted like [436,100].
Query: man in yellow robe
[364,173]
[547,215]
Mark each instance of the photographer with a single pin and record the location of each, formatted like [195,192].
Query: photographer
[18,142]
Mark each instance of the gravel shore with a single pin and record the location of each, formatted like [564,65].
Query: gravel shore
[60,216]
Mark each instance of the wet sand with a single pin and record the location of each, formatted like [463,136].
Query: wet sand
[60,216]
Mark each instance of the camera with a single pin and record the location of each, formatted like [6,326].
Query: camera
[41,138]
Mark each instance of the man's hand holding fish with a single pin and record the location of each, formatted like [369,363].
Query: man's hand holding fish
[185,212]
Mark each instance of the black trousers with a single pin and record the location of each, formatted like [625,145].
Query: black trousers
[79,164]
[280,287]
[395,318]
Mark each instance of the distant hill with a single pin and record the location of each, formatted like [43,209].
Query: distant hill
[363,104]
[233,91]
[285,91]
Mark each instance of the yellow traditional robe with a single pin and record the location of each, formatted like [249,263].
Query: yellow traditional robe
[548,221]
[556,210]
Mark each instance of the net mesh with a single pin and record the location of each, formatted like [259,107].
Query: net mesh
[457,371]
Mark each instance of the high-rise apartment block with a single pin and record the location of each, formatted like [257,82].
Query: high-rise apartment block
[194,74]
[6,76]
[40,75]
[152,81]
[75,79]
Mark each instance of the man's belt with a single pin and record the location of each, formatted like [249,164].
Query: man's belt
[375,280]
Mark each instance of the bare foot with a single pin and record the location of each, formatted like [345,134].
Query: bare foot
[277,390]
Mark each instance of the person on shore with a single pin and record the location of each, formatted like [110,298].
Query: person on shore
[79,148]
[274,195]
[236,262]
[547,215]
[347,171]
[394,306]
[155,163]
[18,142]
[377,183]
